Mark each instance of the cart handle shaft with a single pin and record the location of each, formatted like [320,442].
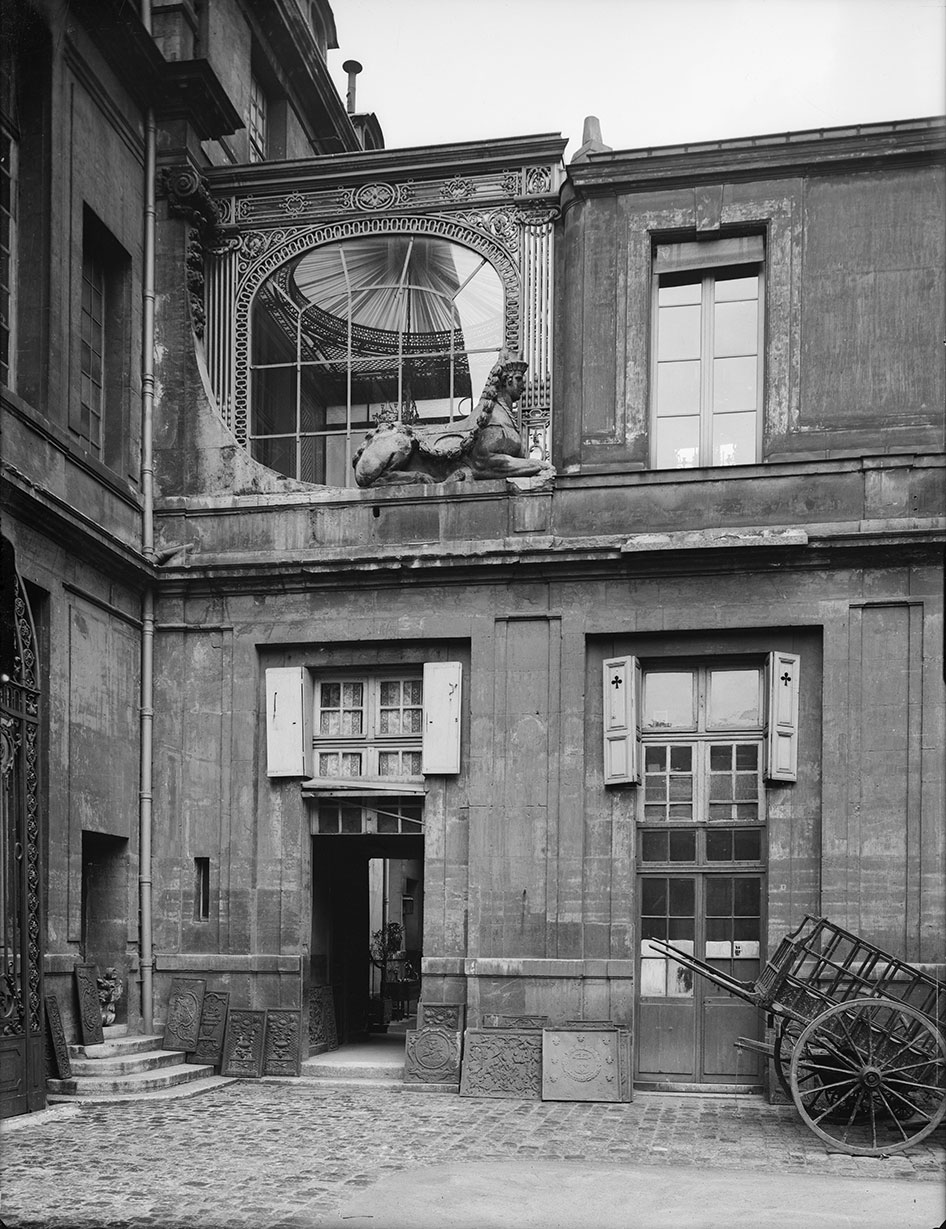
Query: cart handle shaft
[743,989]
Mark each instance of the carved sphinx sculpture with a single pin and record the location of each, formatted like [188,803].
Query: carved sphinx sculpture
[486,444]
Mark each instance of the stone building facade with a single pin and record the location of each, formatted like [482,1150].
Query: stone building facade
[681,677]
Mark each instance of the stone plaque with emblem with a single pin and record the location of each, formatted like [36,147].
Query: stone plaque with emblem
[432,1056]
[243,1043]
[441,1015]
[581,1064]
[281,1055]
[502,1063]
[61,1067]
[213,1024]
[323,1034]
[185,1002]
[90,1009]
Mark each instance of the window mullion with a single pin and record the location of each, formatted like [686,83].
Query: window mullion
[706,372]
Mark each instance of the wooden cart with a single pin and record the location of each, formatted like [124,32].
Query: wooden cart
[860,1037]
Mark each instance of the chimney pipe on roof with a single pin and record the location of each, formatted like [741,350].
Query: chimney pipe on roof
[353,68]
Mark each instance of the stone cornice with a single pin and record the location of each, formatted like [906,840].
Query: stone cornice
[849,149]
[191,90]
[420,162]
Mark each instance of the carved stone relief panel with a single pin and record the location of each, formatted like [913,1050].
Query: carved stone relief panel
[441,1015]
[283,1037]
[502,1063]
[243,1044]
[90,1009]
[432,1056]
[581,1065]
[323,1033]
[491,1020]
[213,1024]
[185,1001]
[59,1050]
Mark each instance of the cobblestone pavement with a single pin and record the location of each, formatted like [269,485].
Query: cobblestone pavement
[288,1154]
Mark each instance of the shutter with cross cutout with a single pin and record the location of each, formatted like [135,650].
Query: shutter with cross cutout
[621,688]
[782,729]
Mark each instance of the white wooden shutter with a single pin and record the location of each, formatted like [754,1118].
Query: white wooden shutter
[782,735]
[288,722]
[621,739]
[442,689]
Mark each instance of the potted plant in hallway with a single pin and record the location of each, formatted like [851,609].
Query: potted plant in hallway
[386,944]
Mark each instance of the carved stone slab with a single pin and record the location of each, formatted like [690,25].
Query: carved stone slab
[505,1021]
[581,1065]
[323,1034]
[502,1063]
[432,1056]
[58,1049]
[213,1024]
[281,1053]
[185,1003]
[90,1009]
[243,1044]
[441,1015]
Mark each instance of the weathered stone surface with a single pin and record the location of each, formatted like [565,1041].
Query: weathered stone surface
[582,1065]
[432,1056]
[213,1025]
[185,1002]
[502,1063]
[281,1051]
[243,1045]
[441,1015]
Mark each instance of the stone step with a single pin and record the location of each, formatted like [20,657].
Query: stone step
[319,1069]
[190,1089]
[131,1084]
[112,1047]
[125,1063]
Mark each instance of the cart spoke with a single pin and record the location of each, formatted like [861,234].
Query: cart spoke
[835,1105]
[893,1116]
[927,1062]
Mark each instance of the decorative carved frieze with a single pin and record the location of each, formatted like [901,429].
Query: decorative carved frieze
[90,1009]
[281,1052]
[182,1026]
[373,197]
[458,189]
[441,1015]
[213,1024]
[492,1020]
[584,1064]
[538,180]
[432,1056]
[58,1048]
[243,1044]
[502,1063]
[323,1033]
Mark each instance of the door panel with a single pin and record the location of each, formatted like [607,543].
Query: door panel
[687,1026]
[667,1039]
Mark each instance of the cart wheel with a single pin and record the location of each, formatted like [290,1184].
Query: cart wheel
[869,1076]
[788,1032]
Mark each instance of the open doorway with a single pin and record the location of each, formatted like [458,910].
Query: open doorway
[368,915]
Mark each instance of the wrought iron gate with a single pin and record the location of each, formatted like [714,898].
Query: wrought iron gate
[22,1057]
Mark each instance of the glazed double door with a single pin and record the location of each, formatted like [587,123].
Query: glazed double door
[686,1025]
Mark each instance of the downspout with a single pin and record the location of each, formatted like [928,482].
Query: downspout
[145,796]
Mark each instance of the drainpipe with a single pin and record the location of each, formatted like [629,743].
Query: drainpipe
[145,796]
